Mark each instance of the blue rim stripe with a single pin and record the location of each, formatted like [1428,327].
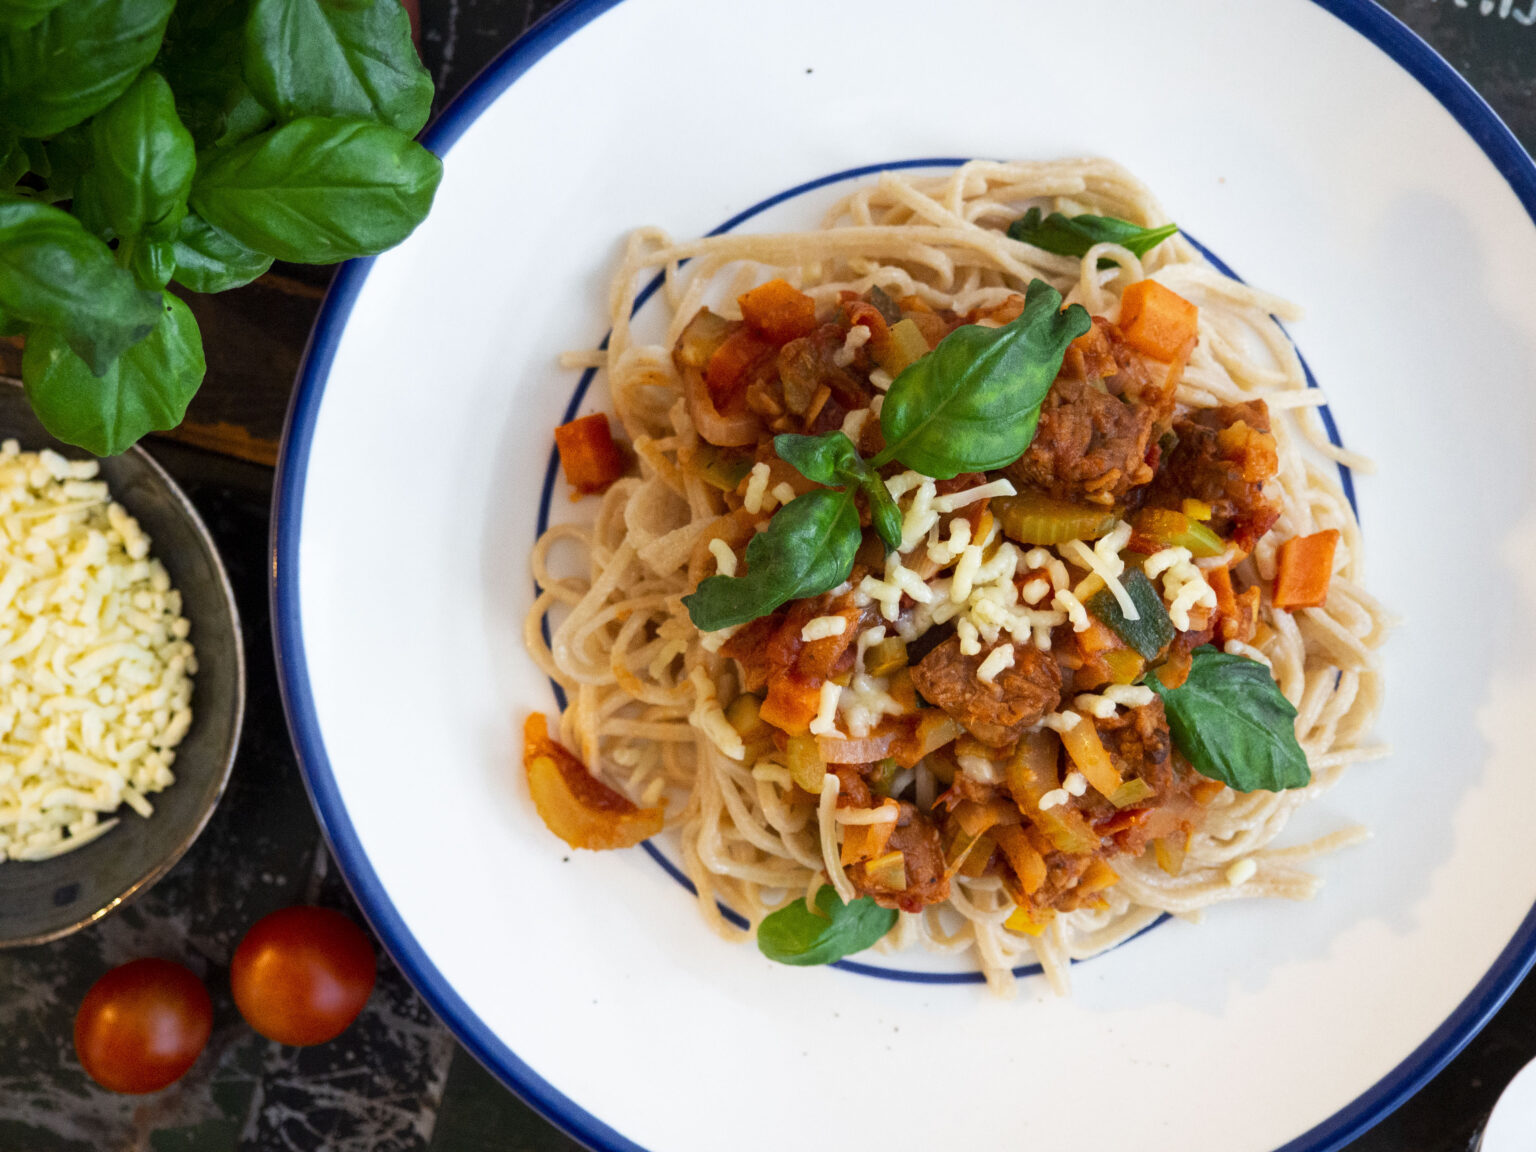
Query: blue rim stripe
[1378,26]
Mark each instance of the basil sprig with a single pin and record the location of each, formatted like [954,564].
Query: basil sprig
[145,141]
[797,935]
[1231,722]
[970,405]
[1074,235]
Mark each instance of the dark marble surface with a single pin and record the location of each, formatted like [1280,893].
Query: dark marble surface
[397,1082]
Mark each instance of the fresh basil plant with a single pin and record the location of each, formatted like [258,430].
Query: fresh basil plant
[155,147]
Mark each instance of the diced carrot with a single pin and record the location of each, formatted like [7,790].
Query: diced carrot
[866,841]
[589,457]
[861,312]
[1220,580]
[778,311]
[730,368]
[1097,637]
[791,703]
[575,805]
[1303,570]
[1158,321]
[1097,877]
[1204,791]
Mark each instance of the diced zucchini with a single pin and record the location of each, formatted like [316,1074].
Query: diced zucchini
[1149,634]
[1035,518]
[803,759]
[888,872]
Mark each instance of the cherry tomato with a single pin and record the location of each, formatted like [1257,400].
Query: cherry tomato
[301,975]
[142,1025]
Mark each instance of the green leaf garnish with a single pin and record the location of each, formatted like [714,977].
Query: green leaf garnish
[1152,630]
[806,549]
[973,402]
[145,389]
[1231,722]
[797,935]
[1074,235]
[831,459]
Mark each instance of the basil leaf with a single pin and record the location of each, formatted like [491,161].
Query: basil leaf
[318,58]
[150,261]
[76,61]
[796,935]
[202,58]
[25,13]
[54,273]
[146,389]
[807,548]
[209,259]
[832,459]
[883,513]
[829,459]
[1074,235]
[318,190]
[972,403]
[141,163]
[1231,722]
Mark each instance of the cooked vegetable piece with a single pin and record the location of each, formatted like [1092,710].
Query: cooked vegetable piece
[589,457]
[887,872]
[1158,321]
[1304,569]
[1148,634]
[1089,755]
[778,311]
[732,364]
[863,842]
[1169,852]
[1133,791]
[1029,921]
[803,759]
[886,657]
[721,467]
[1027,864]
[792,703]
[1035,518]
[1096,877]
[1125,665]
[701,339]
[1031,774]
[905,345]
[861,750]
[1197,510]
[797,935]
[574,804]
[1164,528]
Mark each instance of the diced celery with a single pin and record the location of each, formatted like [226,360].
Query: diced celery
[884,775]
[1035,518]
[1133,791]
[1151,631]
[1170,529]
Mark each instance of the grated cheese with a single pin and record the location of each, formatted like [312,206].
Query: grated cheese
[1099,707]
[1103,560]
[857,337]
[1075,784]
[757,488]
[1073,607]
[708,717]
[957,500]
[823,627]
[725,559]
[1054,799]
[95,667]
[881,379]
[1061,721]
[825,723]
[1184,584]
[999,658]
[1239,872]
[1129,695]
[782,492]
[853,423]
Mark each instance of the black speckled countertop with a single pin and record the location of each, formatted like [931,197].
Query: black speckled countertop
[397,1081]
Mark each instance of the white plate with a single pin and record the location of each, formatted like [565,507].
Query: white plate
[1323,153]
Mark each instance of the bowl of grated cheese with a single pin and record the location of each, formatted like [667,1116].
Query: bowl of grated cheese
[122,678]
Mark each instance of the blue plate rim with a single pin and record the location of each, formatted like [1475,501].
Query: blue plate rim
[1377,25]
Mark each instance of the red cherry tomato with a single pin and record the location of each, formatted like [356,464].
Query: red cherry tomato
[142,1025]
[301,975]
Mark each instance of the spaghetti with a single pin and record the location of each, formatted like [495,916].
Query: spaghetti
[648,692]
